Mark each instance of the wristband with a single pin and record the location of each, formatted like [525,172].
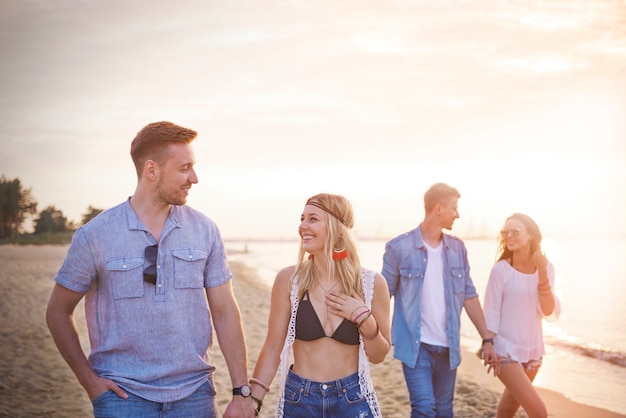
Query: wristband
[488,340]
[255,381]
[360,315]
[355,309]
[369,313]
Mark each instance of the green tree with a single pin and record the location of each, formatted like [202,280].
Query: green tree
[51,220]
[15,203]
[91,213]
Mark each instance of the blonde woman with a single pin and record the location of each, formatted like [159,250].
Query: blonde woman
[328,318]
[520,294]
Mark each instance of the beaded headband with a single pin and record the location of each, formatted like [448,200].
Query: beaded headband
[330,212]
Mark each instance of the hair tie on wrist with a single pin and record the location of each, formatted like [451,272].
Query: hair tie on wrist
[355,309]
[360,315]
[369,313]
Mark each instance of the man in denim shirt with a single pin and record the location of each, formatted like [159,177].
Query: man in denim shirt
[428,274]
[154,275]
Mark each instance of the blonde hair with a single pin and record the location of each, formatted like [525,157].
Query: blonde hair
[340,220]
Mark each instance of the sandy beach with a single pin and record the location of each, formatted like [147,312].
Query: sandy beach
[36,382]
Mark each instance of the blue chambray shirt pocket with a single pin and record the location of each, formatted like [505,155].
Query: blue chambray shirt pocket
[189,268]
[126,281]
[411,273]
[412,279]
[458,279]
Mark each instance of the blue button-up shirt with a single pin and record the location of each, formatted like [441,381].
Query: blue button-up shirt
[152,340]
[404,266]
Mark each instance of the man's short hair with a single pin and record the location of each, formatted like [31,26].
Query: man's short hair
[438,193]
[153,139]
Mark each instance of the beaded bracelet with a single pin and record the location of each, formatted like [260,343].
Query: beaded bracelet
[360,315]
[546,291]
[255,381]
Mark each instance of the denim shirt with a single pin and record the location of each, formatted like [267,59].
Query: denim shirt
[152,340]
[404,266]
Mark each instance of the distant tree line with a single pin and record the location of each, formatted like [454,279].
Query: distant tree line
[18,203]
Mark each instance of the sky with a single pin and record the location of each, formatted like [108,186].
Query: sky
[520,105]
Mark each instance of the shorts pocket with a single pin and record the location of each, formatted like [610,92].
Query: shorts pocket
[189,268]
[354,395]
[126,277]
[292,395]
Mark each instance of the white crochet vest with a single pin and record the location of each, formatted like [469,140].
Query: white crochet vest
[365,381]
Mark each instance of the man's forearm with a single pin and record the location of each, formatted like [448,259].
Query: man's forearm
[229,331]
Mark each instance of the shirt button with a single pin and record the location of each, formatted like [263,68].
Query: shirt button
[159,285]
[124,266]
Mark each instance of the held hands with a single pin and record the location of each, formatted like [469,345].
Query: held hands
[240,407]
[489,357]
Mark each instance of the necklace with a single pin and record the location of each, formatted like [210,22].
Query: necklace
[327,291]
[327,319]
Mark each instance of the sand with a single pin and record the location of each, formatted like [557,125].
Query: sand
[36,382]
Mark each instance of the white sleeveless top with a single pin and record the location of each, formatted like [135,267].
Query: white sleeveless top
[365,380]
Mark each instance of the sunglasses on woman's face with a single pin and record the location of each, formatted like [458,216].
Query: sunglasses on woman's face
[513,231]
[150,272]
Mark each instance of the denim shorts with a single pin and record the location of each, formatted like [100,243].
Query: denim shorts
[339,398]
[201,404]
[529,366]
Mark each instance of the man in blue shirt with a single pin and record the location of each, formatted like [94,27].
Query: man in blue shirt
[154,276]
[427,272]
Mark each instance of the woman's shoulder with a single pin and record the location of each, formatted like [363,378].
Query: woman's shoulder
[503,263]
[283,279]
[501,266]
[285,273]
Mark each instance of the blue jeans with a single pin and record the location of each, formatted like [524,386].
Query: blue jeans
[339,398]
[201,404]
[431,383]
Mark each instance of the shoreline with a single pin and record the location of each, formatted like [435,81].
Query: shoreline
[36,381]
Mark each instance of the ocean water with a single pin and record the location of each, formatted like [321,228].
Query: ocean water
[585,349]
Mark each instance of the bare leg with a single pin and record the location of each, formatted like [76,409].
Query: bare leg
[519,391]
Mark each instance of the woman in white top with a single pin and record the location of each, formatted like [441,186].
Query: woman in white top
[519,296]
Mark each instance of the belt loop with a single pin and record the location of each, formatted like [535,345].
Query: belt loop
[307,387]
[338,386]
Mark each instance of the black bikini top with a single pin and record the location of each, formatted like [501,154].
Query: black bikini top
[309,328]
